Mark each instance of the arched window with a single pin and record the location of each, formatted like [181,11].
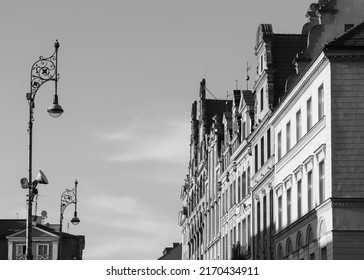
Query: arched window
[299,241]
[289,247]
[309,238]
[280,252]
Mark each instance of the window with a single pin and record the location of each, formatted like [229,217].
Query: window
[243,129]
[298,125]
[268,143]
[299,198]
[264,213]
[231,195]
[289,206]
[289,247]
[256,158]
[223,203]
[234,192]
[299,241]
[258,219]
[280,252]
[309,113]
[262,151]
[312,256]
[243,184]
[239,233]
[261,63]
[322,181]
[321,102]
[347,27]
[261,99]
[309,191]
[288,136]
[42,250]
[323,253]
[20,251]
[239,189]
[248,230]
[248,178]
[226,201]
[280,216]
[223,248]
[244,241]
[279,145]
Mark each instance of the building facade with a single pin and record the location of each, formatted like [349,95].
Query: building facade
[277,172]
[45,240]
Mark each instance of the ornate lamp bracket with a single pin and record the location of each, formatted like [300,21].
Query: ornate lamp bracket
[43,70]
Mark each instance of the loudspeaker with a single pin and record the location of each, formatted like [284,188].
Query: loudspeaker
[41,178]
[24,183]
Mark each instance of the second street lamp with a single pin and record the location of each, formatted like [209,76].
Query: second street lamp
[68,197]
[43,70]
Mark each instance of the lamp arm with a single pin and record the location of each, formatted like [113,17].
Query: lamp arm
[43,70]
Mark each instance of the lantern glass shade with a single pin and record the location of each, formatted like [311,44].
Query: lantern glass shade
[55,110]
[75,220]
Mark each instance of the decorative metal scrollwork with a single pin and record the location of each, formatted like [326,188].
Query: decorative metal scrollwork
[68,197]
[43,70]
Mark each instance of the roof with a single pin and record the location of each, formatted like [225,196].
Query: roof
[284,49]
[216,107]
[248,97]
[10,225]
[351,39]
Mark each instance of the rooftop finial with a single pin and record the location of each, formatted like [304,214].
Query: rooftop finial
[247,78]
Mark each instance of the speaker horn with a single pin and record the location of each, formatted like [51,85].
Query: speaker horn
[24,183]
[41,178]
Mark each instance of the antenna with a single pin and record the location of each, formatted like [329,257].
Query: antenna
[237,84]
[247,78]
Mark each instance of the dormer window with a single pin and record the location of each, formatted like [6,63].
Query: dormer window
[348,27]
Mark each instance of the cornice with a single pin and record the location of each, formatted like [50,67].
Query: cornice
[347,202]
[295,93]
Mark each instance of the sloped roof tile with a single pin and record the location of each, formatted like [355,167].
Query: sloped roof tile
[351,39]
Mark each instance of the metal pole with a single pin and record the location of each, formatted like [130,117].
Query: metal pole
[43,70]
[29,255]
[60,236]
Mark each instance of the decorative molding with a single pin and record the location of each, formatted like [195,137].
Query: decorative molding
[347,202]
[298,172]
[288,182]
[321,153]
[308,163]
[279,189]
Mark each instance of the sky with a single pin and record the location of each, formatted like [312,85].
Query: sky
[129,73]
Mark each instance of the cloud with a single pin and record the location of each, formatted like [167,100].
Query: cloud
[149,140]
[140,233]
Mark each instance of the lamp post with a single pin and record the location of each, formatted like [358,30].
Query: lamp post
[43,70]
[68,197]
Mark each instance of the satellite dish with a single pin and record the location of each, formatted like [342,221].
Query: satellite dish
[44,214]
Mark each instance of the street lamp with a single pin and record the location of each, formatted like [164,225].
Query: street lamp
[43,70]
[68,197]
